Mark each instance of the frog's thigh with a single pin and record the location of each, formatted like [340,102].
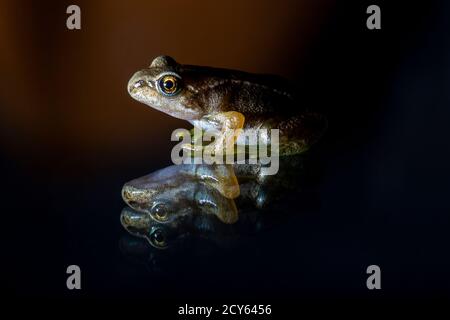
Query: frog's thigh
[298,133]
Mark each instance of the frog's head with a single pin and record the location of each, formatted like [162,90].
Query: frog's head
[162,87]
[164,199]
[171,193]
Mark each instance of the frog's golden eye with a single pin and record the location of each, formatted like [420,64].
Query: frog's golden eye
[159,212]
[158,238]
[169,84]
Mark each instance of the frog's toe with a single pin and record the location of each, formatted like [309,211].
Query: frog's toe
[191,147]
[226,182]
[180,134]
[227,211]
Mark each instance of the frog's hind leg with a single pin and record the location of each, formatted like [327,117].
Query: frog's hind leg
[298,133]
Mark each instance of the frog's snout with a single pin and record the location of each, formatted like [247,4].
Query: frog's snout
[135,83]
[126,194]
[135,198]
[138,82]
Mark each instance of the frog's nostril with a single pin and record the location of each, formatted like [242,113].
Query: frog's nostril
[133,85]
[139,83]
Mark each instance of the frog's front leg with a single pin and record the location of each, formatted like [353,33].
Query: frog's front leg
[225,127]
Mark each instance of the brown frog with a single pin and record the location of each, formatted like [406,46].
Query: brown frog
[221,100]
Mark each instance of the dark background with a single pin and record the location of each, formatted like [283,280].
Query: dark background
[70,136]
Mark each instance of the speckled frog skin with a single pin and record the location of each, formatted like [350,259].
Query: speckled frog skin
[221,99]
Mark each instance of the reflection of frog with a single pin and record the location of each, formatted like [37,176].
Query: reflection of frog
[163,234]
[186,237]
[180,226]
[182,190]
[182,212]
[185,190]
[221,100]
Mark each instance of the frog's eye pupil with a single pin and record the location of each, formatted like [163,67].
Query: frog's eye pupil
[159,212]
[169,85]
[158,238]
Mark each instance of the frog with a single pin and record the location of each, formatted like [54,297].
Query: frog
[162,235]
[174,202]
[214,190]
[225,100]
[185,190]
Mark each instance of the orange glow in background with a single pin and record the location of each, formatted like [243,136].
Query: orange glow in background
[64,92]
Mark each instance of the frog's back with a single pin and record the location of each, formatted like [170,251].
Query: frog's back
[269,81]
[245,92]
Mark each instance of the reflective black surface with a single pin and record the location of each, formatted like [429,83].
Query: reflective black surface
[374,190]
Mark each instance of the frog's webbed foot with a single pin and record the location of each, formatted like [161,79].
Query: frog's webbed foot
[230,125]
[226,181]
[220,177]
[223,188]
